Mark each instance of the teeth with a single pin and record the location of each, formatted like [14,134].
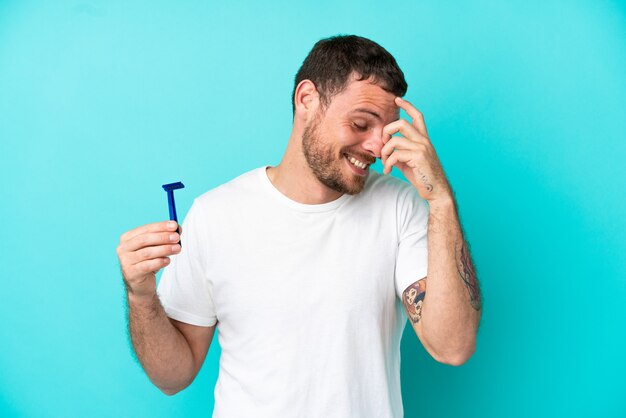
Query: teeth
[357,163]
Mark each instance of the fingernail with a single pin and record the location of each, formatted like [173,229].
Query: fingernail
[173,237]
[171,224]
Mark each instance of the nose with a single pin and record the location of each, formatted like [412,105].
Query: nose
[374,143]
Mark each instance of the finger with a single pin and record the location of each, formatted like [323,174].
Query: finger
[150,239]
[396,143]
[151,266]
[416,116]
[150,253]
[398,156]
[405,128]
[153,227]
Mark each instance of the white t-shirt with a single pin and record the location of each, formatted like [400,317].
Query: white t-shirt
[307,296]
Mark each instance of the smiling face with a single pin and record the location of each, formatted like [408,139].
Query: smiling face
[341,143]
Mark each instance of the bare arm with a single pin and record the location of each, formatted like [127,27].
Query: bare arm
[446,317]
[170,352]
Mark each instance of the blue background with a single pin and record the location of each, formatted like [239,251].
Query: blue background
[101,102]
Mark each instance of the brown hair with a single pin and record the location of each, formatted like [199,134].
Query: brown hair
[333,60]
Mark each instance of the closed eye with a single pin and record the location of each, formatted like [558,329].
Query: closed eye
[360,128]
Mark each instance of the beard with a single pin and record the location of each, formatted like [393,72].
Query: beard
[327,166]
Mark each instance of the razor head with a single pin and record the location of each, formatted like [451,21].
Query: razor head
[173,186]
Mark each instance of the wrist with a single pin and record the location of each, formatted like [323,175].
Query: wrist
[141,300]
[442,204]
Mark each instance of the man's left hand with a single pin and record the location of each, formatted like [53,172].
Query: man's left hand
[414,155]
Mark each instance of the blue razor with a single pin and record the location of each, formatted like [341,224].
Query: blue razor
[169,188]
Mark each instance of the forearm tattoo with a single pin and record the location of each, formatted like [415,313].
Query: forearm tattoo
[424,180]
[413,299]
[468,274]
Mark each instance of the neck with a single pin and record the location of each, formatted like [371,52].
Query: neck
[294,178]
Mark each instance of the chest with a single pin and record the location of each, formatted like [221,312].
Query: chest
[306,268]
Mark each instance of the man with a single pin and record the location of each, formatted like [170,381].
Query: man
[311,268]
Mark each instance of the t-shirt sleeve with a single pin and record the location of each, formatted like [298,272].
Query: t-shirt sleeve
[185,291]
[412,259]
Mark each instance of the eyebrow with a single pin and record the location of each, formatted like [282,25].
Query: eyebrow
[364,110]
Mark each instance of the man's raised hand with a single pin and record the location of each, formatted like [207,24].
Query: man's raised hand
[414,154]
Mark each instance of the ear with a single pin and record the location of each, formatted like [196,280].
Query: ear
[306,99]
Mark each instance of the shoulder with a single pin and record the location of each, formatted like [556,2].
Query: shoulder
[242,185]
[388,187]
[395,195]
[222,200]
